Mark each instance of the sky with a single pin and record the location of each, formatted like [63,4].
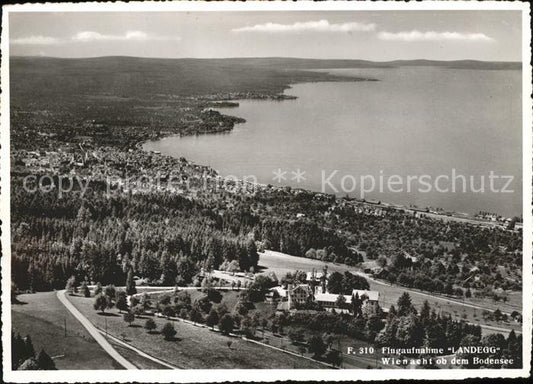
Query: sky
[369,35]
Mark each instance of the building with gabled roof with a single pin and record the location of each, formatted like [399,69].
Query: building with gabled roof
[299,295]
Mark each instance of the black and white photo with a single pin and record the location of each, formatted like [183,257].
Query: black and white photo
[266,191]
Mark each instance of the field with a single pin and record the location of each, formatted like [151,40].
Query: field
[43,318]
[194,347]
[280,264]
[134,358]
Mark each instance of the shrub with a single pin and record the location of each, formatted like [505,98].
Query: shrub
[168,331]
[150,325]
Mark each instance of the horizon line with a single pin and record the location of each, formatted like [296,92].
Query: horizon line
[258,57]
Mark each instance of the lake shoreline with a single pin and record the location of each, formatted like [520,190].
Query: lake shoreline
[433,212]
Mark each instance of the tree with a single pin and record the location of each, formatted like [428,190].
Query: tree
[382,261]
[195,315]
[357,305]
[98,289]
[150,325]
[206,284]
[351,282]
[18,350]
[253,256]
[387,336]
[45,362]
[168,311]
[335,283]
[29,365]
[221,309]
[469,341]
[71,285]
[212,319]
[145,301]
[138,310]
[334,357]
[129,318]
[226,324]
[168,331]
[214,295]
[101,303]
[340,302]
[184,313]
[410,332]
[247,327]
[241,308]
[122,303]
[514,349]
[374,324]
[329,339]
[425,312]
[169,270]
[296,336]
[203,304]
[134,300]
[84,288]
[404,304]
[30,351]
[317,346]
[131,289]
[111,292]
[435,336]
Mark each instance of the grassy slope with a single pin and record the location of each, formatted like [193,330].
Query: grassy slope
[135,358]
[195,347]
[281,264]
[42,317]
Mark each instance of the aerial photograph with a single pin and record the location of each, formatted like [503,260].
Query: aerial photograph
[314,189]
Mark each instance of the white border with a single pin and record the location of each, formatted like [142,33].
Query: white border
[265,375]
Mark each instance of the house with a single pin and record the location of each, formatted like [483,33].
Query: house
[372,296]
[315,276]
[329,301]
[276,294]
[282,307]
[298,295]
[317,279]
[369,300]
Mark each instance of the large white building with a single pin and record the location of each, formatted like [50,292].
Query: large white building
[315,290]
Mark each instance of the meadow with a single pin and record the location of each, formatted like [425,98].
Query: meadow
[43,317]
[194,347]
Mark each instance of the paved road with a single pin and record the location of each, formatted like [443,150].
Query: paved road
[93,331]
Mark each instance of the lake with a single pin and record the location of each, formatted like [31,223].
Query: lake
[430,124]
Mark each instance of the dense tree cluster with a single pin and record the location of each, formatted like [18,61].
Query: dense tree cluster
[402,327]
[23,355]
[345,284]
[497,348]
[164,238]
